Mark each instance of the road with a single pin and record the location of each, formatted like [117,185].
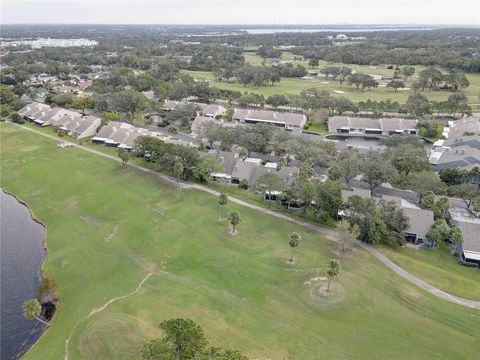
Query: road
[374,252]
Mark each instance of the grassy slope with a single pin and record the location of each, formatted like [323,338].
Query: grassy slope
[295,86]
[238,288]
[439,268]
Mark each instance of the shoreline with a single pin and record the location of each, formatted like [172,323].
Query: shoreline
[45,248]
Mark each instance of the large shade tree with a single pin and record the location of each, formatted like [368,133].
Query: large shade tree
[347,233]
[347,165]
[377,169]
[183,339]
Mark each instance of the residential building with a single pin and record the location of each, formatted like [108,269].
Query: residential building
[198,123]
[469,224]
[150,95]
[123,135]
[169,105]
[72,122]
[78,126]
[250,169]
[420,220]
[35,112]
[211,110]
[201,121]
[355,126]
[287,120]
[43,114]
[119,134]
[461,147]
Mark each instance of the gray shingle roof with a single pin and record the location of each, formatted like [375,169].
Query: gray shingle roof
[420,221]
[386,124]
[295,119]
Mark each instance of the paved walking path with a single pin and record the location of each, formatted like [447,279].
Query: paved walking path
[374,252]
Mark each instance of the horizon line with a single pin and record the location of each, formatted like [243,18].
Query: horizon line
[255,24]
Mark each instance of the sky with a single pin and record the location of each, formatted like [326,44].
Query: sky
[269,12]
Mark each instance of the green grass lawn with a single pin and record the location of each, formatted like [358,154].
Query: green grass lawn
[289,86]
[108,228]
[318,127]
[439,268]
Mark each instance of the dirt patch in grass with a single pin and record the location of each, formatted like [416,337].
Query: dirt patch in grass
[28,148]
[112,234]
[347,254]
[90,220]
[318,294]
[70,203]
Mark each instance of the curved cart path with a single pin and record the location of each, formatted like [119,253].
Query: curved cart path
[374,252]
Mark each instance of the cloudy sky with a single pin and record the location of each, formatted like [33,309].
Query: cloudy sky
[271,12]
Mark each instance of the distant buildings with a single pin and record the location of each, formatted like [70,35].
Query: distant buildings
[47,42]
[461,147]
[344,125]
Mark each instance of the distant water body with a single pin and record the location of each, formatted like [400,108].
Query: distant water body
[336,30]
[21,254]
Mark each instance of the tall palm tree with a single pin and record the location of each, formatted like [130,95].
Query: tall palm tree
[222,200]
[32,310]
[295,239]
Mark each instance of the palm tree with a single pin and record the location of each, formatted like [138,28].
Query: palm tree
[222,200]
[295,239]
[234,220]
[333,270]
[178,170]
[32,310]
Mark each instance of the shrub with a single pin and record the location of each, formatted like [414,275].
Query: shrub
[243,184]
[17,119]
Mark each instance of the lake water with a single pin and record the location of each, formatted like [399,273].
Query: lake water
[21,255]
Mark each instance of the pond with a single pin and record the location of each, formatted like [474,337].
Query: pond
[22,254]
